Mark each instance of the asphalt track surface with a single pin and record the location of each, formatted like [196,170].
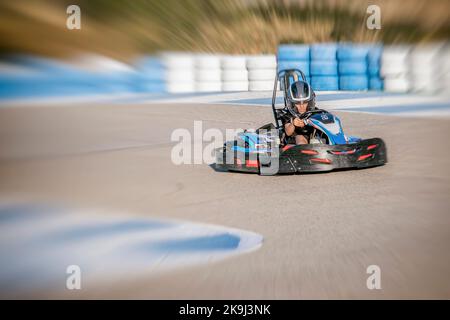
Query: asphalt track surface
[321,231]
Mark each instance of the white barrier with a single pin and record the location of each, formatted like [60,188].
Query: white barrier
[261,72]
[445,69]
[180,71]
[237,62]
[420,68]
[261,62]
[208,73]
[234,73]
[261,75]
[425,68]
[235,86]
[395,67]
[260,85]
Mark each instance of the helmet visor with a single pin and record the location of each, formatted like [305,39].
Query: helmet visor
[300,91]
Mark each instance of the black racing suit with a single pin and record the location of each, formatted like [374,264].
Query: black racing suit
[306,131]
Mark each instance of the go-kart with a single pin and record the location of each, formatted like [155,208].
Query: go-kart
[269,151]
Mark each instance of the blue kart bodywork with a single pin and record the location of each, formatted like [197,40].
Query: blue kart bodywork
[254,142]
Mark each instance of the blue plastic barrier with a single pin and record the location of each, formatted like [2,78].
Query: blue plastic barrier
[344,66]
[325,83]
[353,67]
[42,77]
[374,60]
[323,51]
[293,52]
[376,83]
[374,70]
[150,75]
[295,64]
[349,51]
[354,82]
[324,68]
[375,53]
[45,77]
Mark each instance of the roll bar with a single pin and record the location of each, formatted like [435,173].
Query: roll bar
[285,75]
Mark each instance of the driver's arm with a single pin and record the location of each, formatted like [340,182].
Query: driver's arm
[289,127]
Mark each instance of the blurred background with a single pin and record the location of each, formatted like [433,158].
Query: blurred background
[122,46]
[122,29]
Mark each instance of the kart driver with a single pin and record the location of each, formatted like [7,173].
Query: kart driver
[301,98]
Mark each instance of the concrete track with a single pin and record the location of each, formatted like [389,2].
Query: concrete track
[321,231]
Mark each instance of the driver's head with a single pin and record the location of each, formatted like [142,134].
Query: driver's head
[301,107]
[300,94]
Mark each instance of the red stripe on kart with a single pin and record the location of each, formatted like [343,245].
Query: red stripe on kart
[344,152]
[363,157]
[312,152]
[321,160]
[287,147]
[372,146]
[252,163]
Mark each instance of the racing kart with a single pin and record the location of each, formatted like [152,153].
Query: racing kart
[269,151]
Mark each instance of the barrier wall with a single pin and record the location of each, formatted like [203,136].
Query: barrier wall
[353,66]
[234,73]
[342,66]
[327,66]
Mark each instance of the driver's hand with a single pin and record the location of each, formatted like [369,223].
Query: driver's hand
[298,123]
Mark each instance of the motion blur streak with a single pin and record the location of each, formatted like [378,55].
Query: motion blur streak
[122,29]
